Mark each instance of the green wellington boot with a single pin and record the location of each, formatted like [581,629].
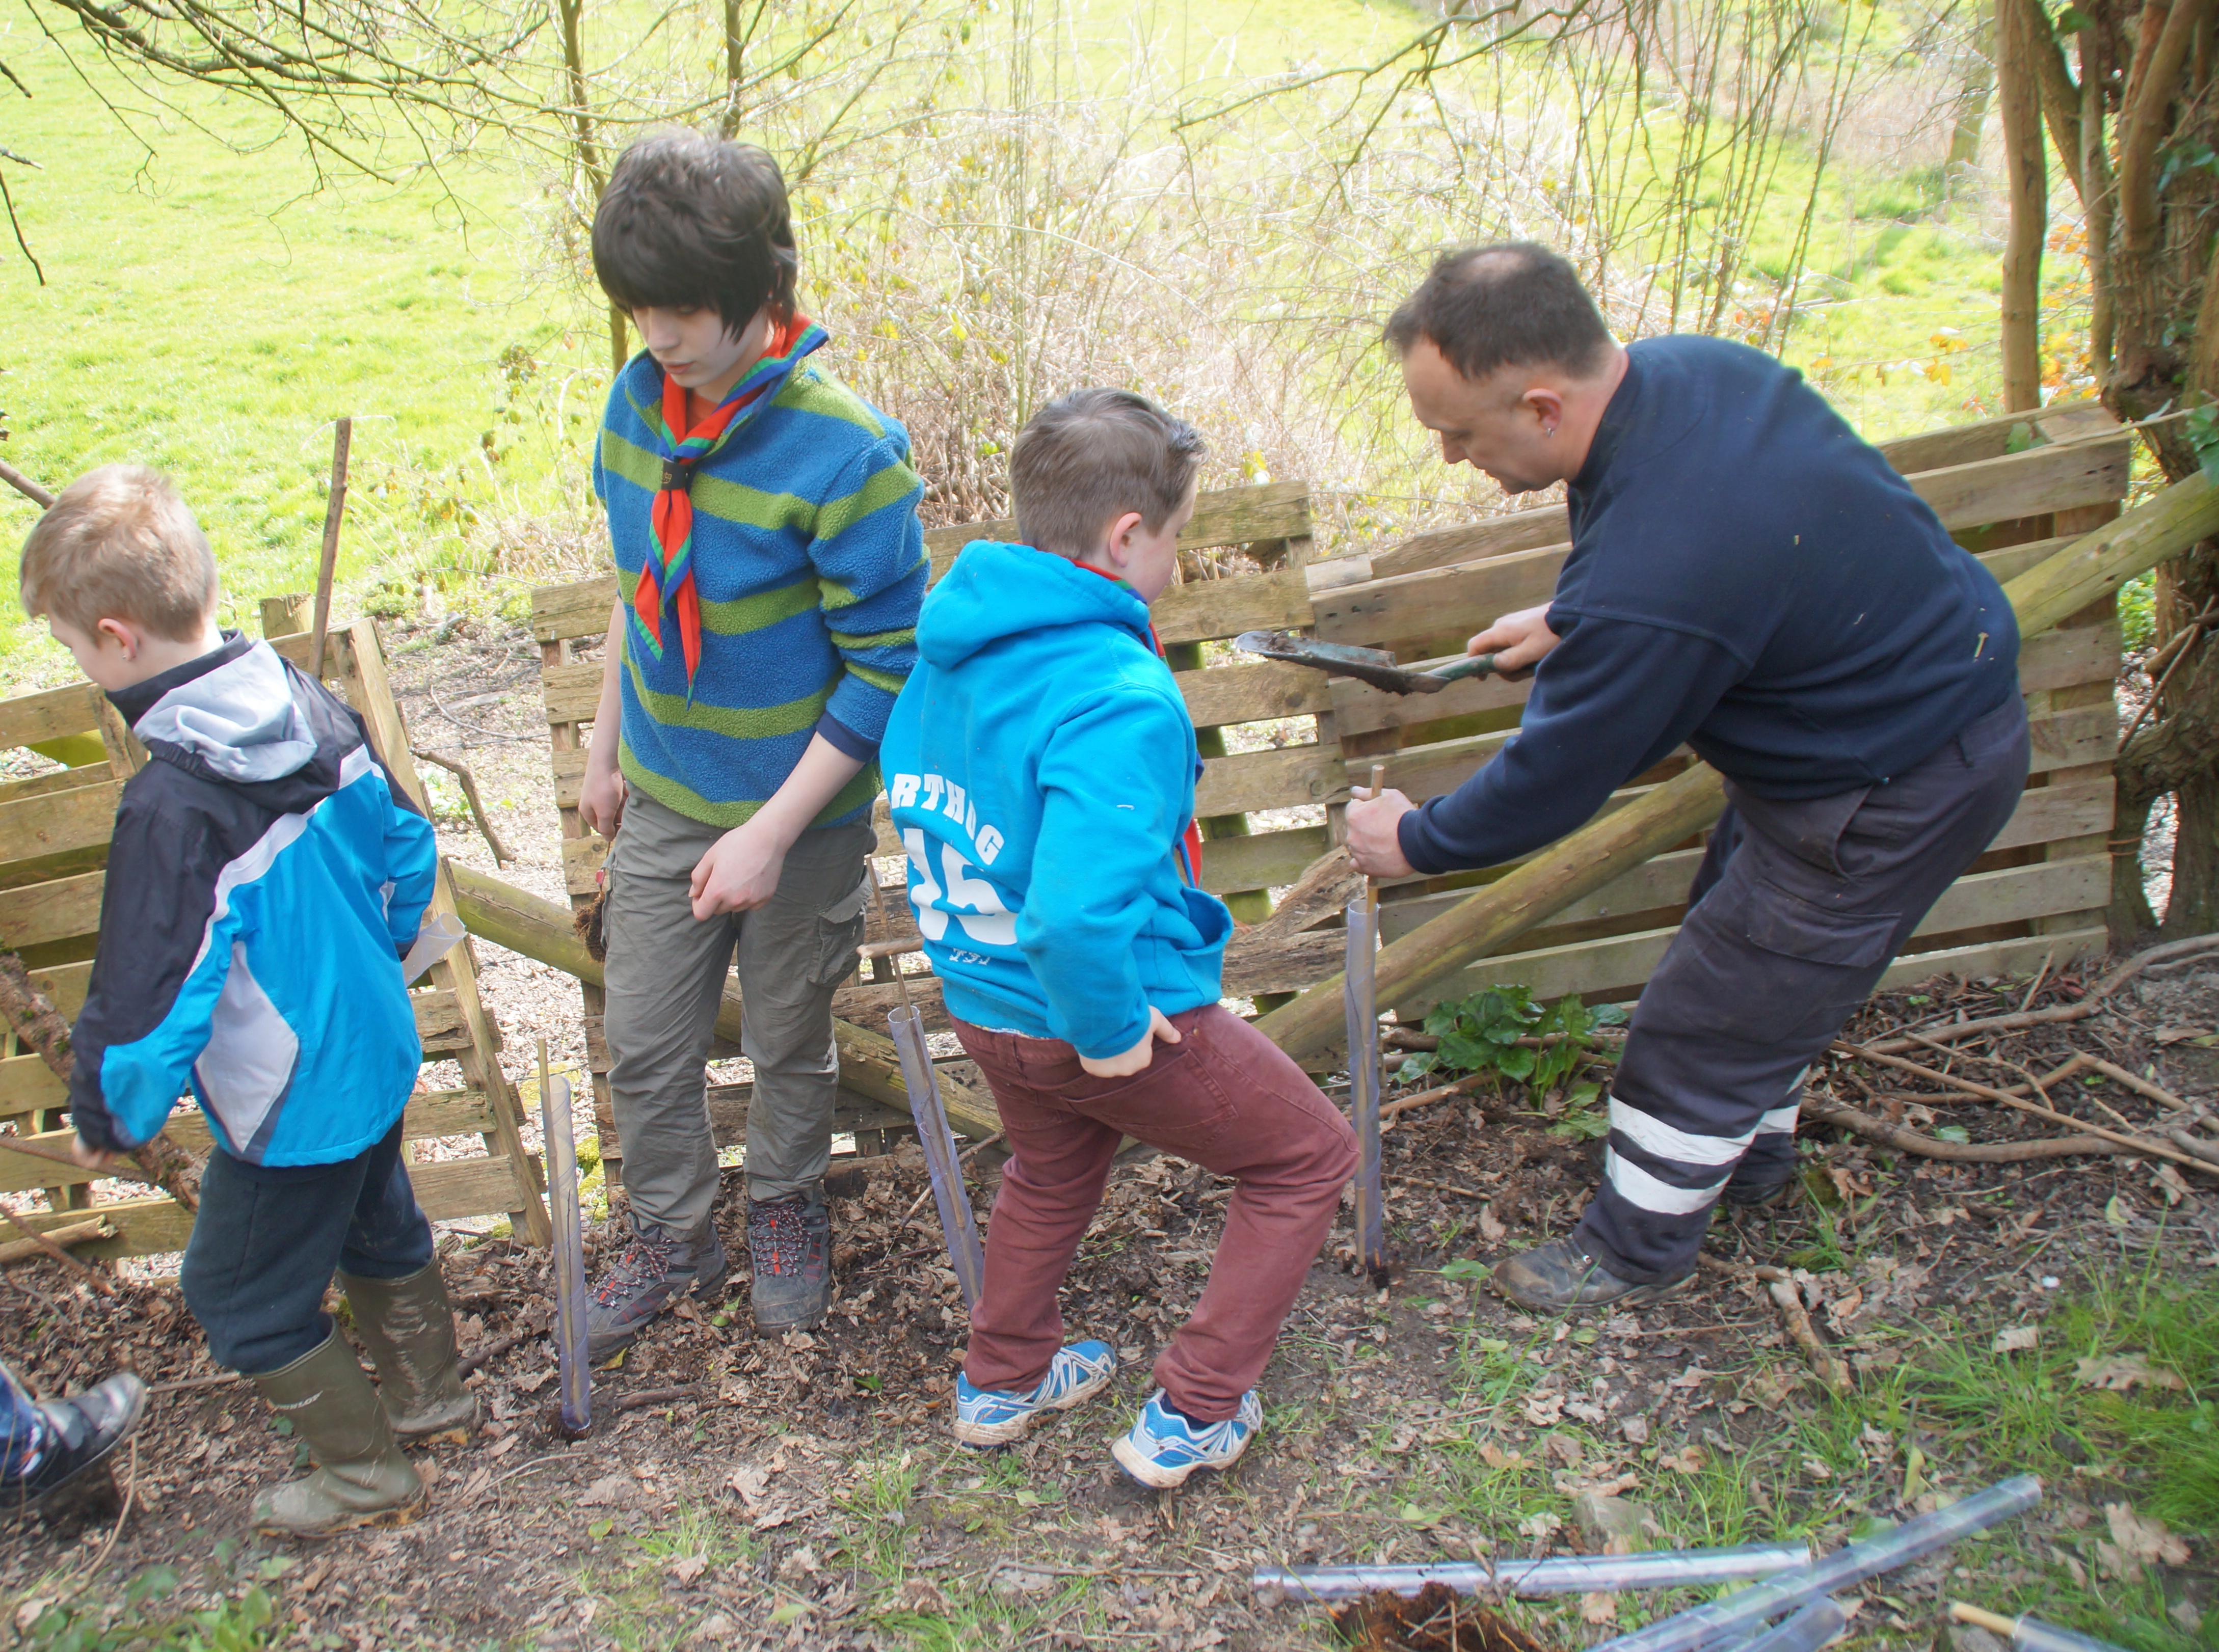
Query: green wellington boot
[362,1479]
[407,1329]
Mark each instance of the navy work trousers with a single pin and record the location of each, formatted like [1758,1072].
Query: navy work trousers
[1798,908]
[268,1237]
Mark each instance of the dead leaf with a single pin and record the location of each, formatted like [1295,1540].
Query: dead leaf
[1686,1461]
[2120,1372]
[687,1568]
[1598,1608]
[2136,1541]
[1491,1231]
[610,1491]
[1544,1409]
[751,1481]
[2017,1338]
[2168,1182]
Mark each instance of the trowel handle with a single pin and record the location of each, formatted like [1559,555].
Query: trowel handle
[1477,665]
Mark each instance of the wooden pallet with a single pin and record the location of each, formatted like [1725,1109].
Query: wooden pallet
[2037,893]
[54,831]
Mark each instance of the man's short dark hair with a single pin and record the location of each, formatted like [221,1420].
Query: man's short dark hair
[1513,304]
[693,222]
[1090,456]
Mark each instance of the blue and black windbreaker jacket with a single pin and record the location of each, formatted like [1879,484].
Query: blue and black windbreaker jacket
[265,879]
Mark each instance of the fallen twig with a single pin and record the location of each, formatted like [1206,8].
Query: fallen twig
[100,1280]
[2141,1144]
[76,1233]
[503,854]
[1963,1152]
[477,1359]
[1440,1187]
[2188,1144]
[1426,1098]
[647,1397]
[1742,1271]
[2090,1003]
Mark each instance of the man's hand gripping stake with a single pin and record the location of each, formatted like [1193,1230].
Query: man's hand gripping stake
[941,1162]
[1360,973]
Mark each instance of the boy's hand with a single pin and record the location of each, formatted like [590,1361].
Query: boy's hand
[1517,641]
[90,1157]
[1136,1058]
[601,797]
[1375,840]
[740,872]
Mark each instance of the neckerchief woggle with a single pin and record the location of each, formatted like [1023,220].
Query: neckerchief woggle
[1189,843]
[666,593]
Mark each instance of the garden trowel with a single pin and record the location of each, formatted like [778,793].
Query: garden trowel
[1373,665]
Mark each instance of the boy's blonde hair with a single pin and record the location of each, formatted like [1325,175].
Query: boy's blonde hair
[120,543]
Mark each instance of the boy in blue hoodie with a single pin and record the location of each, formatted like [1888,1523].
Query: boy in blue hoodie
[265,881]
[1041,767]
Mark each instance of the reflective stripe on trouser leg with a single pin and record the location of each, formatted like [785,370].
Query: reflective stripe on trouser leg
[1771,1157]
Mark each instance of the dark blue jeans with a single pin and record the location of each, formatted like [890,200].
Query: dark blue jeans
[268,1237]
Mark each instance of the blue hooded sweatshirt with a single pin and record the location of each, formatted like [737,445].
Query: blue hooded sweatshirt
[1041,765]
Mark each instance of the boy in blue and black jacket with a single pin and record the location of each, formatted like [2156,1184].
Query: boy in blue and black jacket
[265,881]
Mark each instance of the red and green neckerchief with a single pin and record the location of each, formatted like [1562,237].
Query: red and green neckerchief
[1189,843]
[666,579]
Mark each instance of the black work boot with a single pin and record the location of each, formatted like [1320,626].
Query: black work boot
[1561,1279]
[655,1269]
[789,1240]
[81,1433]
[1758,1195]
[407,1328]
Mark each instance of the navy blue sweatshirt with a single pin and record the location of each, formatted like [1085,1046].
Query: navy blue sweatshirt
[1747,576]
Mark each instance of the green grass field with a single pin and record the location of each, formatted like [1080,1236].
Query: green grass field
[210,312]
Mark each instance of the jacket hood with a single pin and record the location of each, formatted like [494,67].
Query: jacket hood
[996,590]
[242,716]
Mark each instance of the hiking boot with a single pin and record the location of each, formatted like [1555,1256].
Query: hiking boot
[790,1242]
[1560,1278]
[655,1269]
[78,1435]
[407,1329]
[988,1417]
[1163,1447]
[362,1478]
[1758,1195]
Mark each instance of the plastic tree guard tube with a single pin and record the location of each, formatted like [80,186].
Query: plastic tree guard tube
[2031,1634]
[1785,1591]
[1361,972]
[577,1378]
[957,1223]
[1806,1631]
[1560,1574]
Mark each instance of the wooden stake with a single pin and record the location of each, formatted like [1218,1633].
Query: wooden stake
[334,509]
[1360,970]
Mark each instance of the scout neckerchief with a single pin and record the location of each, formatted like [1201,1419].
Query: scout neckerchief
[666,579]
[1189,841]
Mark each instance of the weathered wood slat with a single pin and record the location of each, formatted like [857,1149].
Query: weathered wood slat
[80,818]
[67,909]
[28,719]
[1266,779]
[571,694]
[1264,859]
[1204,610]
[454,1188]
[1221,695]
[439,1021]
[728,1115]
[55,781]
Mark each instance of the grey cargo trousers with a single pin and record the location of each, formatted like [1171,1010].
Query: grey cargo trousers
[665,976]
[1798,908]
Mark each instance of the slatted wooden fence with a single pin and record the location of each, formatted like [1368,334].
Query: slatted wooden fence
[54,830]
[2012,490]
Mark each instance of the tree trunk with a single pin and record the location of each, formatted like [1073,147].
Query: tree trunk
[728,124]
[2026,171]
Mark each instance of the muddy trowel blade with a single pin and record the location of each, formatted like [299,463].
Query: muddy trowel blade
[1373,665]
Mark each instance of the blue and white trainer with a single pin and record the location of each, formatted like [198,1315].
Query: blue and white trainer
[1164,1448]
[987,1417]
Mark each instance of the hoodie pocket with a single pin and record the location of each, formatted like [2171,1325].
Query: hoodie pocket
[1209,916]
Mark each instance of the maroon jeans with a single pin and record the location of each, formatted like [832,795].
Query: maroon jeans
[1225,1098]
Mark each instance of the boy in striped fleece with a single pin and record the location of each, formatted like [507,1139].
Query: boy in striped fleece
[770,568]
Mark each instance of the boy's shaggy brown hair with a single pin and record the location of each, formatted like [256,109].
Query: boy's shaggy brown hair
[1090,456]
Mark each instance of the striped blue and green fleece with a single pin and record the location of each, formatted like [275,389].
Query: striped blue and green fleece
[811,566]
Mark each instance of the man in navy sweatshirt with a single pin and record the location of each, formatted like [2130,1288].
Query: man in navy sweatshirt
[1749,579]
